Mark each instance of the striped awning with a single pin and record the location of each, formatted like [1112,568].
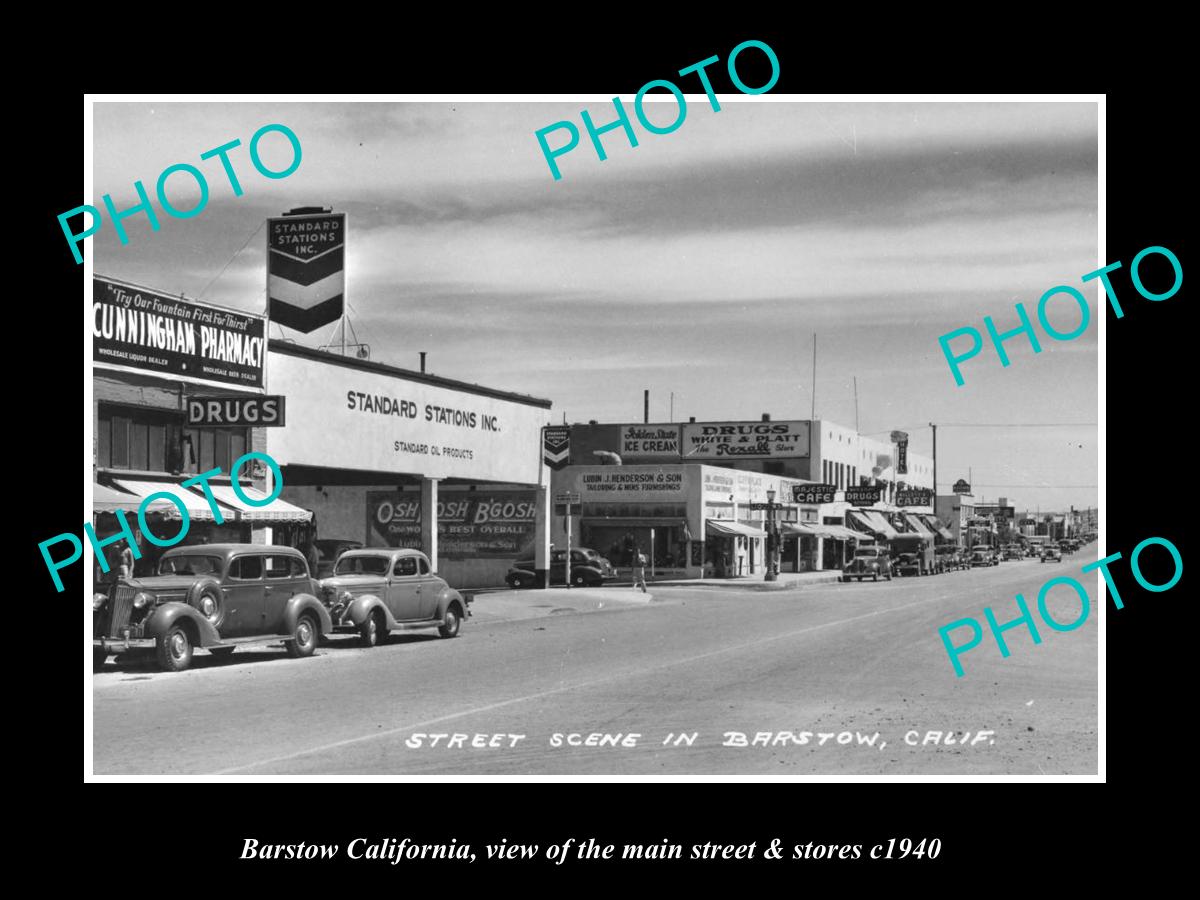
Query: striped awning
[728,526]
[197,506]
[107,499]
[874,522]
[275,511]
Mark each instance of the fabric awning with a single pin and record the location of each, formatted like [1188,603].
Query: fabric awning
[728,526]
[106,499]
[813,529]
[803,529]
[275,511]
[841,533]
[917,525]
[874,522]
[936,524]
[196,505]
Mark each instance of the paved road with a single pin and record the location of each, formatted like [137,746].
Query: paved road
[845,660]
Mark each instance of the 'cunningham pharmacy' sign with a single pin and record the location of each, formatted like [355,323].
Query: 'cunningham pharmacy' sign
[141,330]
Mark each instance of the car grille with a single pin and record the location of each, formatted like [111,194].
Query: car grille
[120,604]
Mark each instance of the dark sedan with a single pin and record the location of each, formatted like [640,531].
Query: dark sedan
[588,569]
[868,562]
[215,596]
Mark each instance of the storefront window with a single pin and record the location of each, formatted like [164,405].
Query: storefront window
[221,449]
[138,451]
[120,442]
[668,550]
[149,440]
[104,443]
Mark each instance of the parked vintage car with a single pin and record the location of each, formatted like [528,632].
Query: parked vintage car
[984,555]
[868,562]
[328,551]
[372,592]
[215,596]
[947,559]
[907,564]
[1050,553]
[588,569]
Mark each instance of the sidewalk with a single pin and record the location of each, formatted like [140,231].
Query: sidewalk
[787,581]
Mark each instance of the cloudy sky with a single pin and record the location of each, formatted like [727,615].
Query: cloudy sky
[700,262]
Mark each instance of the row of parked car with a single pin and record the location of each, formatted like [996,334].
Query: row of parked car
[222,596]
[876,562]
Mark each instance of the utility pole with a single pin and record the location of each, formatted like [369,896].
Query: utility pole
[934,427]
[856,407]
[814,381]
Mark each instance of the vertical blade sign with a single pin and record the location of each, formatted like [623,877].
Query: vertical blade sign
[306,270]
[556,446]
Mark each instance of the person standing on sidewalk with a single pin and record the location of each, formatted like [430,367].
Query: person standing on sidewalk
[639,568]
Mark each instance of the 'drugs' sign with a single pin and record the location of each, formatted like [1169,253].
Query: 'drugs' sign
[306,269]
[497,524]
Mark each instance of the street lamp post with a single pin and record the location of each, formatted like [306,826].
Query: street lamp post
[772,540]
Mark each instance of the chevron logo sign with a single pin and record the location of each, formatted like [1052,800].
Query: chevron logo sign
[556,446]
[306,269]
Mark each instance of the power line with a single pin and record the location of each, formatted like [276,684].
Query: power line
[973,484]
[232,258]
[989,425]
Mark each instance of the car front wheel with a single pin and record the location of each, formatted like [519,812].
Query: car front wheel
[304,641]
[371,632]
[450,622]
[174,650]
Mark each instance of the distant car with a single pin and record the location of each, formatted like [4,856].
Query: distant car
[1012,551]
[1051,553]
[868,562]
[373,592]
[983,555]
[328,551]
[215,596]
[907,564]
[946,559]
[588,569]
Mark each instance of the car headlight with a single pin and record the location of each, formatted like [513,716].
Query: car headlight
[141,600]
[98,600]
[345,597]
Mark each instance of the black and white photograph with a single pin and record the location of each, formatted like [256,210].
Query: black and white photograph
[680,436]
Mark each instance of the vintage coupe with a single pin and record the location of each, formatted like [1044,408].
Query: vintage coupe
[372,592]
[1051,553]
[215,596]
[868,562]
[984,555]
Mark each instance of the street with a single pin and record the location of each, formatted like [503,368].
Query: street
[741,674]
